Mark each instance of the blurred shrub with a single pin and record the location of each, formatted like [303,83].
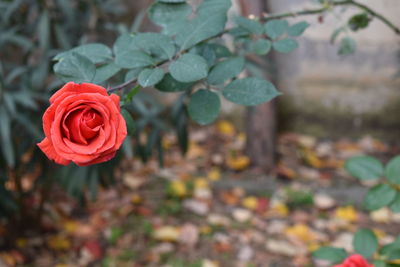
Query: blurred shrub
[31,34]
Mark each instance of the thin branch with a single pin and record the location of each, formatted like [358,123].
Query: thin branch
[376,15]
[336,3]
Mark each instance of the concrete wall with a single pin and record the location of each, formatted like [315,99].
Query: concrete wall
[325,93]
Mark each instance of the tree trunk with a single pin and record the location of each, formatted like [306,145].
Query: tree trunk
[260,120]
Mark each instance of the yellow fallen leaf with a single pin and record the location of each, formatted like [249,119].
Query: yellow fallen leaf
[58,242]
[379,233]
[313,246]
[205,230]
[348,214]
[136,199]
[167,233]
[201,183]
[279,209]
[70,226]
[226,128]
[166,143]
[178,188]
[250,203]
[21,242]
[238,163]
[311,158]
[301,232]
[214,174]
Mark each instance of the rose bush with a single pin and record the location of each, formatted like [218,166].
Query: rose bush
[83,124]
[355,261]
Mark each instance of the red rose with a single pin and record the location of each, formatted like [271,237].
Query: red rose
[355,261]
[83,124]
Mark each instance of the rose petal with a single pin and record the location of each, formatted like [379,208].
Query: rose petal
[72,88]
[100,159]
[47,147]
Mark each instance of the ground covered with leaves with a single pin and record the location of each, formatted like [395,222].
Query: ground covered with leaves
[211,209]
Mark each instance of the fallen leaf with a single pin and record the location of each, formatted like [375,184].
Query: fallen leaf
[224,127]
[238,163]
[250,203]
[282,247]
[58,242]
[167,233]
[324,201]
[347,213]
[241,215]
[214,174]
[201,183]
[189,234]
[178,188]
[301,232]
[245,253]
[209,263]
[278,209]
[383,215]
[196,206]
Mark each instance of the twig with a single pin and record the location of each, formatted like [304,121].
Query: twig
[337,3]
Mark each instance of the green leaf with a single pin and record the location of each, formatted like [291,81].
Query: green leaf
[169,84]
[130,123]
[334,255]
[213,7]
[250,91]
[359,21]
[275,28]
[155,44]
[261,47]
[285,45]
[225,70]
[204,106]
[166,14]
[336,33]
[364,167]
[250,25]
[379,196]
[130,59]
[132,74]
[128,54]
[5,137]
[386,250]
[395,205]
[221,50]
[150,77]
[210,21]
[105,72]
[392,170]
[298,28]
[96,53]
[76,68]
[189,68]
[365,243]
[347,46]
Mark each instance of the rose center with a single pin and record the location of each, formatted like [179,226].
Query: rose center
[82,124]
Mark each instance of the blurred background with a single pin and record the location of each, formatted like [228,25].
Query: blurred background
[266,201]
